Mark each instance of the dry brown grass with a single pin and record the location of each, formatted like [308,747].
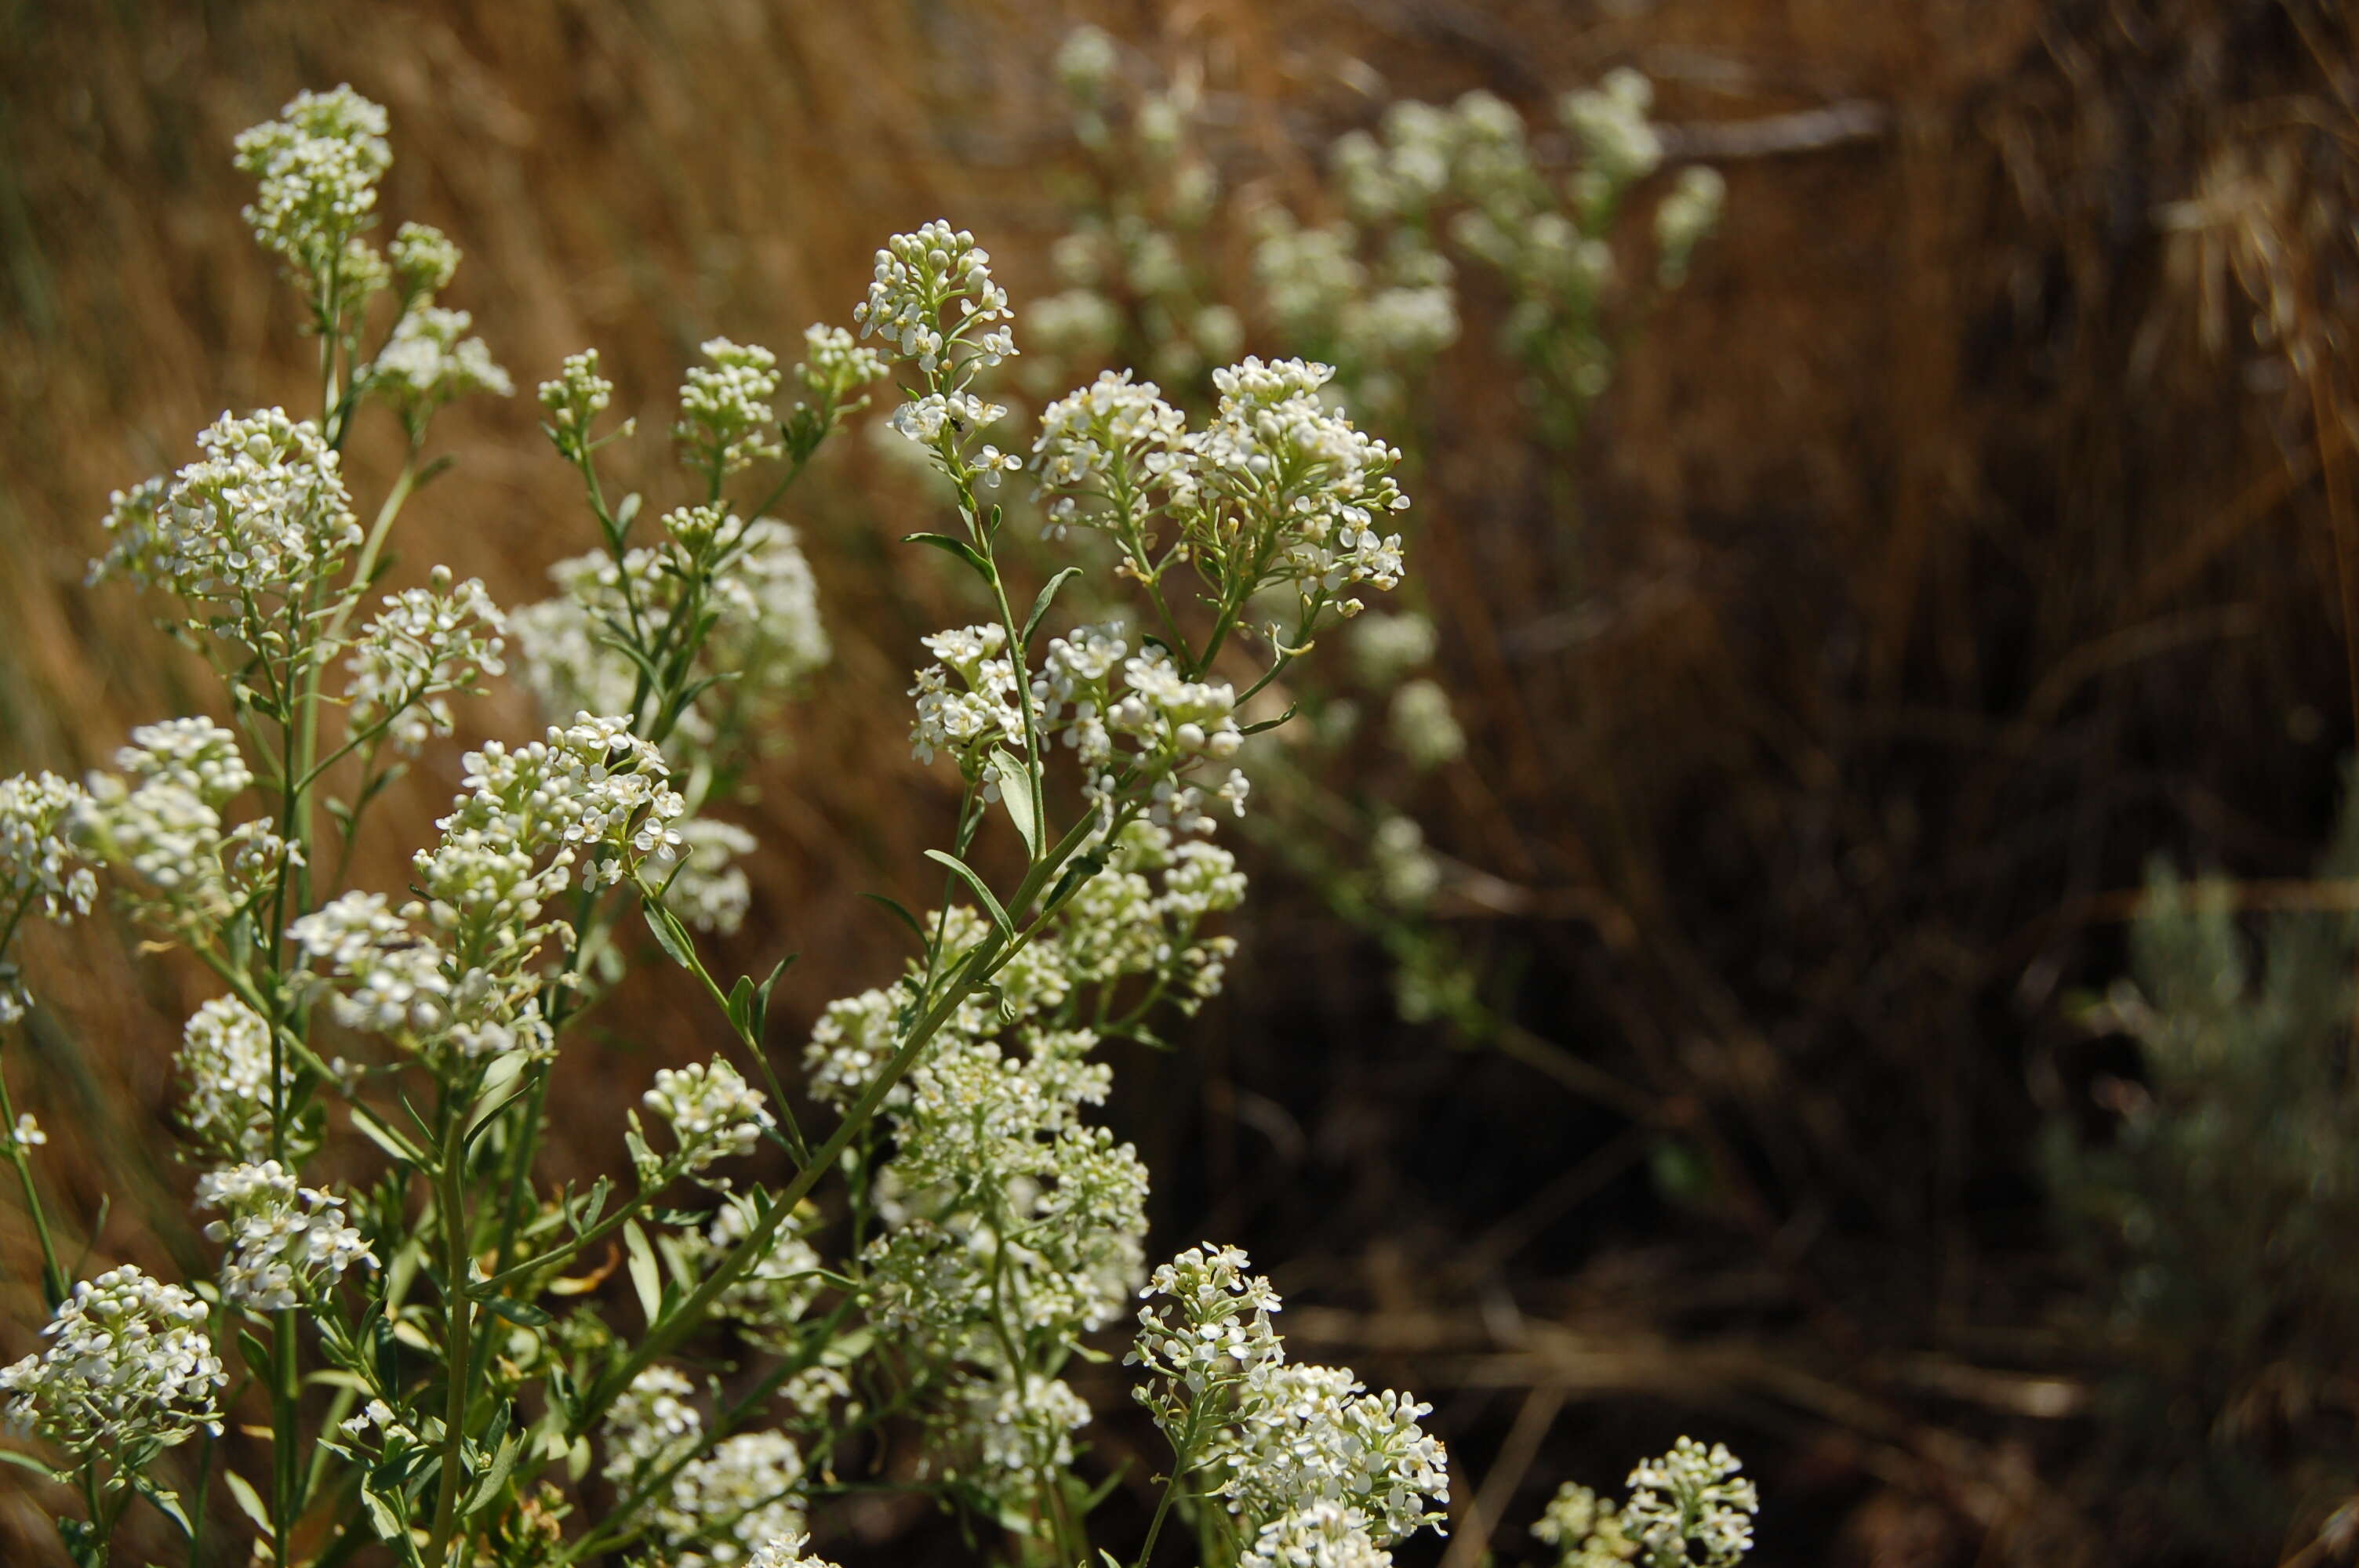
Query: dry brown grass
[1949,547]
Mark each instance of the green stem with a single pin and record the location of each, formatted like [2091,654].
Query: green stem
[54,1284]
[286,1466]
[458,1324]
[1182,1454]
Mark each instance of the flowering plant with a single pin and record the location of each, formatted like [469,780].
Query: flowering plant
[433,1350]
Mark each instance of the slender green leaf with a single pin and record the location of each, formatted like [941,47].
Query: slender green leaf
[249,1501]
[670,935]
[167,1503]
[503,1462]
[521,1313]
[957,547]
[976,885]
[1015,794]
[741,1009]
[1040,604]
[899,913]
[386,1138]
[645,1277]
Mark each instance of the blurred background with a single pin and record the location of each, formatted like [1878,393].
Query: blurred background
[1867,979]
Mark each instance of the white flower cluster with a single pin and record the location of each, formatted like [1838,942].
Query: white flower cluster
[40,865]
[1691,1498]
[919,278]
[1380,321]
[192,754]
[26,1134]
[729,1506]
[592,792]
[319,165]
[786,1552]
[1018,1427]
[1280,488]
[1310,276]
[260,518]
[1610,121]
[166,828]
[1294,483]
[980,711]
[1323,1535]
[1171,723]
[726,422]
[744,1494]
[426,643]
[1214,1330]
[1086,61]
[1311,1463]
[1387,647]
[994,1170]
[712,1111]
[592,801]
[1103,452]
[649,1424]
[1424,726]
[577,396]
[284,1241]
[423,257]
[942,426]
[1135,919]
[224,1069]
[1585,1529]
[429,360]
[836,365]
[1012,1224]
[1685,217]
[765,641]
[1407,874]
[129,1369]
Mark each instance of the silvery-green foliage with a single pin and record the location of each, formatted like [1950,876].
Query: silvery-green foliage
[456,1362]
[2228,1152]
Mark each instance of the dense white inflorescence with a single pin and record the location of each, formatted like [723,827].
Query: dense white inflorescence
[1305,1457]
[40,865]
[165,825]
[726,423]
[712,1111]
[429,360]
[425,644]
[129,1369]
[262,518]
[1691,1496]
[283,1241]
[223,1069]
[919,278]
[318,166]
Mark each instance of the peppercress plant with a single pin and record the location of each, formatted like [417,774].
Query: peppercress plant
[436,1358]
